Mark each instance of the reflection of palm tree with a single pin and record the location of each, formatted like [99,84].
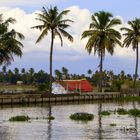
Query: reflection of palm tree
[102,36]
[100,121]
[135,121]
[49,124]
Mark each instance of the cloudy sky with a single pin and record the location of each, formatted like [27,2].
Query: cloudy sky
[72,55]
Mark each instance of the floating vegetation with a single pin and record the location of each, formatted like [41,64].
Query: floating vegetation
[112,124]
[81,116]
[19,118]
[50,118]
[134,112]
[105,113]
[122,111]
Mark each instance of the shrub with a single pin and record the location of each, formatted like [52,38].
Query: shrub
[19,118]
[81,116]
[42,87]
[122,111]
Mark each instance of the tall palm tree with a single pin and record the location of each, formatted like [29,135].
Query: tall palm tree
[102,36]
[9,45]
[52,21]
[132,37]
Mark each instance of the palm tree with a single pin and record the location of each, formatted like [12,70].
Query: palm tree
[9,45]
[89,72]
[65,72]
[102,36]
[53,22]
[58,74]
[132,37]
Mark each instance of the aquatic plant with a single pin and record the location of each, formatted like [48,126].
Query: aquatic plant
[82,116]
[50,118]
[19,118]
[112,124]
[105,113]
[134,112]
[122,111]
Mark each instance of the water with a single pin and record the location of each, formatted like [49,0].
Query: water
[62,128]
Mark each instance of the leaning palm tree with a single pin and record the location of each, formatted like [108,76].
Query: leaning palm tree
[9,44]
[52,21]
[102,36]
[132,37]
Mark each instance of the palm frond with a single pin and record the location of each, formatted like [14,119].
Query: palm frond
[66,34]
[42,35]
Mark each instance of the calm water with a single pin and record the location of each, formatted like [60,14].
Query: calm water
[62,128]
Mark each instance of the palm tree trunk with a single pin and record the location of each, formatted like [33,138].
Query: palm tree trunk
[136,68]
[51,53]
[101,71]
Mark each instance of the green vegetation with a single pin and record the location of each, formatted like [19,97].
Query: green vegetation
[19,118]
[50,117]
[113,124]
[105,113]
[43,87]
[130,98]
[9,45]
[81,116]
[122,111]
[134,112]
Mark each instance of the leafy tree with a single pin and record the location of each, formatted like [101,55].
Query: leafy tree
[102,36]
[65,72]
[53,22]
[89,72]
[58,75]
[132,37]
[9,45]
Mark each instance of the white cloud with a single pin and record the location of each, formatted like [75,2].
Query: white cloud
[24,2]
[81,18]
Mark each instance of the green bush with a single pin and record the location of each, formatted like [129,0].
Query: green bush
[43,87]
[122,111]
[105,113]
[81,116]
[19,118]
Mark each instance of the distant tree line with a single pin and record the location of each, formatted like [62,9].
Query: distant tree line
[30,77]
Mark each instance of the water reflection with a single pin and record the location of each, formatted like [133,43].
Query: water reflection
[62,128]
[100,130]
[49,132]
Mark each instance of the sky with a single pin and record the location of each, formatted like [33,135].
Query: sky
[72,55]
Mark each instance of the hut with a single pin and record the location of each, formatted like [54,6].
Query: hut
[71,86]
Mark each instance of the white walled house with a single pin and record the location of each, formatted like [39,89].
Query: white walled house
[57,88]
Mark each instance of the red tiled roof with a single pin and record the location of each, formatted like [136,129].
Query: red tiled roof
[73,85]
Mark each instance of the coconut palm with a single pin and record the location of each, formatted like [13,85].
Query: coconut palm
[102,36]
[132,37]
[9,45]
[52,21]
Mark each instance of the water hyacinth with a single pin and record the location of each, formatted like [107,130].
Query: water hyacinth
[82,116]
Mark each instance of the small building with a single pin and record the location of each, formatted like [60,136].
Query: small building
[19,82]
[71,86]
